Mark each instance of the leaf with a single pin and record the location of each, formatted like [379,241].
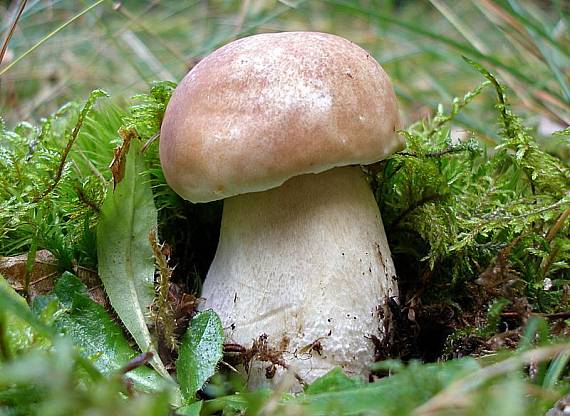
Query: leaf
[190,410]
[334,380]
[397,394]
[40,278]
[126,266]
[99,338]
[14,304]
[556,369]
[119,159]
[18,326]
[59,381]
[200,352]
[239,403]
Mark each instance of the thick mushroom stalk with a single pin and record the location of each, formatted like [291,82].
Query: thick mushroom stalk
[275,124]
[308,265]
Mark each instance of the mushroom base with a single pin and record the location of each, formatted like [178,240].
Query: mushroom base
[308,265]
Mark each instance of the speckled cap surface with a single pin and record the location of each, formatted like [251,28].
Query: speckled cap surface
[265,108]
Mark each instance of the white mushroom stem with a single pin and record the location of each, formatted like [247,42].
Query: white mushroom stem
[306,262]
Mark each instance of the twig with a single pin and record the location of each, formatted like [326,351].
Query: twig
[558,315]
[162,312]
[137,21]
[557,225]
[86,200]
[241,17]
[150,141]
[231,367]
[439,153]
[136,362]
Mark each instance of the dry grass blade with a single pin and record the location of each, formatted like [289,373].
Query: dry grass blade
[457,394]
[145,55]
[526,37]
[49,36]
[12,29]
[557,225]
[496,14]
[136,21]
[462,28]
[531,99]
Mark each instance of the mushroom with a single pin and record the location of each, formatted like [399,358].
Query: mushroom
[278,124]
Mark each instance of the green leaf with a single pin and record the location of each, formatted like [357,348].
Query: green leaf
[99,338]
[14,303]
[334,380]
[54,382]
[190,410]
[238,403]
[555,370]
[200,352]
[126,266]
[397,394]
[20,330]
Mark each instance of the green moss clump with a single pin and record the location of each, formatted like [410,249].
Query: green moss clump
[468,224]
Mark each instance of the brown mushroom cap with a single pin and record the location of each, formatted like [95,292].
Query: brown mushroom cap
[265,108]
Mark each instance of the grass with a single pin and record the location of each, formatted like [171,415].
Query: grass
[122,49]
[476,208]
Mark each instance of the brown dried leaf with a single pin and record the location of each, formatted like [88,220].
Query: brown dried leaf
[41,278]
[500,274]
[44,273]
[117,166]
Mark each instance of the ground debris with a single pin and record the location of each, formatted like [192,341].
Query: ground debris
[561,408]
[40,278]
[500,278]
[37,281]
[117,165]
[261,351]
[183,307]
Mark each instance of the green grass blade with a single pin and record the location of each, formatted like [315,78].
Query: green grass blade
[555,370]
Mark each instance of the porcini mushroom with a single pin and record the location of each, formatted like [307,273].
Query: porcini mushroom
[277,124]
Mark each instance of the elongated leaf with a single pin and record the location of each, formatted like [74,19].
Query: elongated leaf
[99,338]
[237,404]
[334,380]
[336,394]
[190,410]
[20,330]
[12,304]
[200,352]
[555,370]
[126,266]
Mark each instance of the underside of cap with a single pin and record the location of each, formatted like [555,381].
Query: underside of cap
[263,109]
